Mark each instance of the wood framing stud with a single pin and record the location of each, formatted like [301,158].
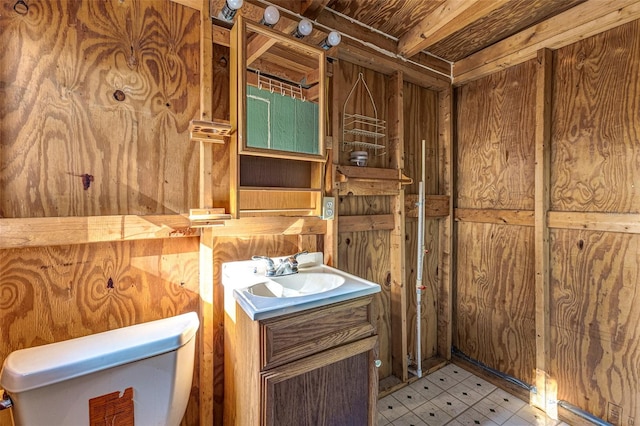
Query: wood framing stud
[542,397]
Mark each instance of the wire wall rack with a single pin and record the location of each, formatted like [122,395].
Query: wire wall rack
[363,131]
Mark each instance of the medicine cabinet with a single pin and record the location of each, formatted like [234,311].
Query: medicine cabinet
[280,93]
[277,110]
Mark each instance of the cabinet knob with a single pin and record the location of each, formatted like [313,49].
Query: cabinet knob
[378,363]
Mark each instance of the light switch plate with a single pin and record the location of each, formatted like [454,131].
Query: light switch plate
[328,208]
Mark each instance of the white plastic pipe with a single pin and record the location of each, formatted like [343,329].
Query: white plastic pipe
[419,264]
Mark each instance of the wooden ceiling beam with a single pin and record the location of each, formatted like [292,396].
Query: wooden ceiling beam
[582,21]
[451,16]
[370,58]
[363,46]
[311,9]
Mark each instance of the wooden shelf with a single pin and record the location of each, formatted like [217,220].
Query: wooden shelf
[201,218]
[265,201]
[277,189]
[354,180]
[50,231]
[55,231]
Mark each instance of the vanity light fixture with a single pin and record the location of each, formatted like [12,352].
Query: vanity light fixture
[271,16]
[333,39]
[229,10]
[304,29]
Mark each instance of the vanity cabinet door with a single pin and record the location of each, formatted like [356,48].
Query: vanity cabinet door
[332,388]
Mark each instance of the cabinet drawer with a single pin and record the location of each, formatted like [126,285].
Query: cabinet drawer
[295,336]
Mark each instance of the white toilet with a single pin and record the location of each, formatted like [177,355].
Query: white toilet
[61,383]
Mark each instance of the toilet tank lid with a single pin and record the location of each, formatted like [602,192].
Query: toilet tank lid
[31,368]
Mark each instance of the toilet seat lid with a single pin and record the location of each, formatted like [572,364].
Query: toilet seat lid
[31,368]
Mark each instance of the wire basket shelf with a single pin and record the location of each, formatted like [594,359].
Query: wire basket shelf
[369,128]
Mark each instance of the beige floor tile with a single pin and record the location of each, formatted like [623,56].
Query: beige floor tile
[472,417]
[449,404]
[391,408]
[465,394]
[426,388]
[493,411]
[442,380]
[409,419]
[410,397]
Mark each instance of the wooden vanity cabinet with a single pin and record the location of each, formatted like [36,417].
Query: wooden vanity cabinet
[315,367]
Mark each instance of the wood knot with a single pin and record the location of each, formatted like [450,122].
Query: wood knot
[21,7]
[119,95]
[86,180]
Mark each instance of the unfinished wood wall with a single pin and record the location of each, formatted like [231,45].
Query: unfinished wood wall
[50,294]
[421,123]
[594,262]
[595,276]
[494,302]
[95,104]
[96,108]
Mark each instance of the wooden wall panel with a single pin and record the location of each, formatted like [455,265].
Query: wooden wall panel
[420,122]
[95,104]
[593,314]
[595,150]
[360,103]
[495,140]
[57,293]
[495,301]
[594,275]
[429,314]
[595,349]
[366,254]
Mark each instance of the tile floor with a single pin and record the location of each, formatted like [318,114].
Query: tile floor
[453,396]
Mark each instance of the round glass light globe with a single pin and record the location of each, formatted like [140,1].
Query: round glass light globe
[235,4]
[271,15]
[334,38]
[305,27]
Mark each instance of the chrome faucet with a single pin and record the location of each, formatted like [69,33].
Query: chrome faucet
[286,266]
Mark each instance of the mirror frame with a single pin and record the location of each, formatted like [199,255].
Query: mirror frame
[239,81]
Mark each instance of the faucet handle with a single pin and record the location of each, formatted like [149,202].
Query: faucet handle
[271,267]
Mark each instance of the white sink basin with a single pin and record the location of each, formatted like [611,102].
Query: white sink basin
[316,284]
[296,285]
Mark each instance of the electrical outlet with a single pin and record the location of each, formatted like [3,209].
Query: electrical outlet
[328,208]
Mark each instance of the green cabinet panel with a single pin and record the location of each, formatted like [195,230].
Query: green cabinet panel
[276,121]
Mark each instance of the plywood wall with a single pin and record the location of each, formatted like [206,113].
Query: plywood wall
[57,293]
[494,303]
[593,308]
[365,253]
[495,155]
[95,108]
[595,275]
[95,104]
[360,103]
[420,123]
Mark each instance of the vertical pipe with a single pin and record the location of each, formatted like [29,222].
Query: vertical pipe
[419,263]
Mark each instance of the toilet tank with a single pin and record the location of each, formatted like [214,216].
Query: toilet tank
[142,371]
